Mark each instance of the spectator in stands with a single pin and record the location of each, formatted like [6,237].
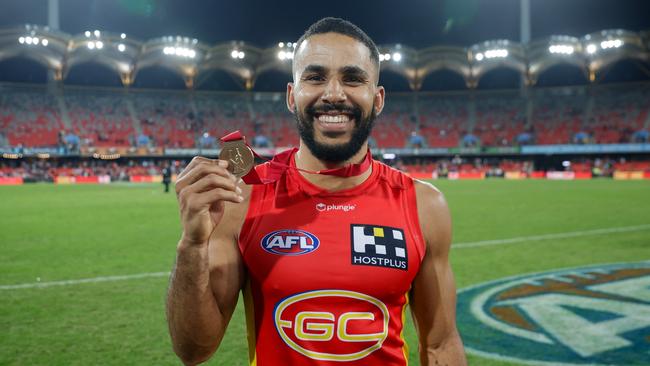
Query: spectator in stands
[524,138]
[581,138]
[143,140]
[641,136]
[470,140]
[207,142]
[416,141]
[261,141]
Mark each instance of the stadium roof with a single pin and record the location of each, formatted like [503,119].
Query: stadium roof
[190,57]
[432,35]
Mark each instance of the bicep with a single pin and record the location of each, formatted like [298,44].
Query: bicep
[433,294]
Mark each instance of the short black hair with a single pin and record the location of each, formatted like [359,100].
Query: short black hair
[341,26]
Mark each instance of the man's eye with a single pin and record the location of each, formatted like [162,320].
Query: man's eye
[314,78]
[353,79]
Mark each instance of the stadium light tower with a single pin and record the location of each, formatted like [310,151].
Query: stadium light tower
[525,29]
[53,22]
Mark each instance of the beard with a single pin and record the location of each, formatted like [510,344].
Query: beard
[334,153]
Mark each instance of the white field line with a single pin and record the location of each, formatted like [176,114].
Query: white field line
[84,280]
[570,234]
[521,239]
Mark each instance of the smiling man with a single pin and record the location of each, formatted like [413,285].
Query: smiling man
[331,248]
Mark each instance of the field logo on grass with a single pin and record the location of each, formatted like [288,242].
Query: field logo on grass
[583,316]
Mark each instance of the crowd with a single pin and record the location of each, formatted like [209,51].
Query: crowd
[94,117]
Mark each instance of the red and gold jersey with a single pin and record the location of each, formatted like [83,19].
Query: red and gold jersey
[329,272]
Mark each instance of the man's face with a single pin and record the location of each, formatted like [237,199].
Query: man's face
[335,96]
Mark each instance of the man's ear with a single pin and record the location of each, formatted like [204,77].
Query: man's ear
[380,96]
[291,103]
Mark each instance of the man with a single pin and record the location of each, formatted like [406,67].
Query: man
[167,176]
[327,262]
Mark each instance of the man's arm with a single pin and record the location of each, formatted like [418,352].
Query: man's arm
[433,294]
[208,272]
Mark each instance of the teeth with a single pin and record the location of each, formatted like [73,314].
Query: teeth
[341,118]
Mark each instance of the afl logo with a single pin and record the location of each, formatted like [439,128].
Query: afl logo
[584,316]
[332,325]
[290,242]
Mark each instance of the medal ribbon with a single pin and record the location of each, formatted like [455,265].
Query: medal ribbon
[281,162]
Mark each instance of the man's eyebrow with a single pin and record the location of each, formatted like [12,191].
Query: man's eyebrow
[316,69]
[354,70]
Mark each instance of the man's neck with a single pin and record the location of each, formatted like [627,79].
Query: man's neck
[305,159]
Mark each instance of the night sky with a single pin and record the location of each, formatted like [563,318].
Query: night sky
[416,23]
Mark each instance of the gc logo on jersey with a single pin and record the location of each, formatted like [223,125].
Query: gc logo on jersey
[332,325]
[290,242]
[380,246]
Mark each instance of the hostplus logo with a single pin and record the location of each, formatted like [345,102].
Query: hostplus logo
[380,246]
[345,208]
[584,316]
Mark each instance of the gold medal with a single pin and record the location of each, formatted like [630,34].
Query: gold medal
[239,156]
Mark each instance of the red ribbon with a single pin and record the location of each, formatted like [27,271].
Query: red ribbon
[281,162]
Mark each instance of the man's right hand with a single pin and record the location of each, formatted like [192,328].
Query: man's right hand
[202,188]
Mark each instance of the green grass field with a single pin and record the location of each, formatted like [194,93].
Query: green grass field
[55,233]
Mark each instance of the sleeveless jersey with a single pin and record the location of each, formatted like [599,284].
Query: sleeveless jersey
[329,272]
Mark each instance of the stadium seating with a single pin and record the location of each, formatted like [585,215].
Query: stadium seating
[35,116]
[29,116]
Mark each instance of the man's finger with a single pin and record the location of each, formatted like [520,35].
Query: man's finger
[211,181]
[199,171]
[217,194]
[196,161]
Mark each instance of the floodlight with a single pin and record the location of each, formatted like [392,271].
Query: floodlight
[387,57]
[591,48]
[28,40]
[241,54]
[99,45]
[36,40]
[381,57]
[496,53]
[234,54]
[87,33]
[121,47]
[397,57]
[97,33]
[21,40]
[91,45]
[282,55]
[192,54]
[479,57]
[123,36]
[45,42]
[281,44]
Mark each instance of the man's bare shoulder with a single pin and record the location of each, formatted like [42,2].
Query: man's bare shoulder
[433,212]
[429,198]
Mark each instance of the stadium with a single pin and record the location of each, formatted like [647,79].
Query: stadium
[539,138]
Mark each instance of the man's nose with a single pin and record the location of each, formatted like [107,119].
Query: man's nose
[334,92]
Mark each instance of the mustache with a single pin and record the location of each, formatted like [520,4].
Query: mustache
[340,107]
